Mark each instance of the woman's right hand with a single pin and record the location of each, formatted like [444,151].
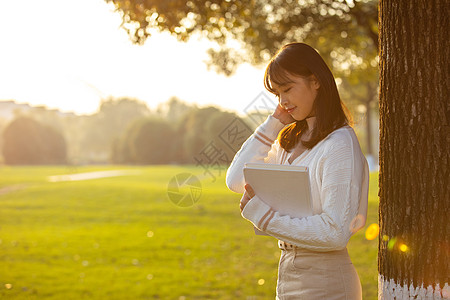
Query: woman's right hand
[282,115]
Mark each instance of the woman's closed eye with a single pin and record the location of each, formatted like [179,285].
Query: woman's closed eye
[285,91]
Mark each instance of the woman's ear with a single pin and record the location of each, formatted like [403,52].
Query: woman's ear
[315,82]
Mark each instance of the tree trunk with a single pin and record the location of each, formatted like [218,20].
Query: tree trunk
[413,258]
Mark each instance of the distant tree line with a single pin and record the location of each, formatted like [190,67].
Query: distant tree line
[157,140]
[125,131]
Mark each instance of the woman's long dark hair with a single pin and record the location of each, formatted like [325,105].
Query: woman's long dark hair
[302,60]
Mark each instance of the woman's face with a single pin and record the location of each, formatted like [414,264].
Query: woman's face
[297,95]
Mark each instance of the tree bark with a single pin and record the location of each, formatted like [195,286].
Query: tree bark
[414,245]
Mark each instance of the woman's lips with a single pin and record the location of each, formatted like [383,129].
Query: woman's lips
[290,110]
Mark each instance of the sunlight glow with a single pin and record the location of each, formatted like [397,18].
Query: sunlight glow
[73,67]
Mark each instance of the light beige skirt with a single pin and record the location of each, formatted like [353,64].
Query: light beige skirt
[304,274]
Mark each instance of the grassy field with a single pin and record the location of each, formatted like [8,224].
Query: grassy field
[122,238]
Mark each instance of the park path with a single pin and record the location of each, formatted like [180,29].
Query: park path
[71,177]
[91,175]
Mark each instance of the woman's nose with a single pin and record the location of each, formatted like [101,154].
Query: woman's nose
[283,101]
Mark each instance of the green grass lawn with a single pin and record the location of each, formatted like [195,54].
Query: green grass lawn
[122,238]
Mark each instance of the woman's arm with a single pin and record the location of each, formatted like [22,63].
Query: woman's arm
[343,180]
[259,147]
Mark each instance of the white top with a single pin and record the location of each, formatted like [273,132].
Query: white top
[339,178]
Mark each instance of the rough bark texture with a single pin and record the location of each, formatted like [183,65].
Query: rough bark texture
[414,144]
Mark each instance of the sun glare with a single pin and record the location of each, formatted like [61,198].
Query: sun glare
[73,67]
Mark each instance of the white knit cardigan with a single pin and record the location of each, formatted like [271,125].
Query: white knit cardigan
[339,178]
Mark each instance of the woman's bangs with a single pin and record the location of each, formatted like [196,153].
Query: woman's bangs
[276,74]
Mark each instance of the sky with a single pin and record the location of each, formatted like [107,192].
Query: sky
[70,55]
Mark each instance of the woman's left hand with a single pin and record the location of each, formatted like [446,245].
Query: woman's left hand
[248,194]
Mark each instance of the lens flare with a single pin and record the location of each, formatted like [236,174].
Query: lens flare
[391,243]
[372,231]
[403,247]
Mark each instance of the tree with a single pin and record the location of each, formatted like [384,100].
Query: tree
[365,95]
[112,119]
[193,132]
[218,127]
[261,26]
[345,32]
[173,109]
[413,259]
[28,142]
[146,141]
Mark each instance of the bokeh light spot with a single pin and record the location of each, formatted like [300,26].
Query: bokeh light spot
[391,243]
[403,247]
[8,286]
[372,231]
[150,234]
[261,281]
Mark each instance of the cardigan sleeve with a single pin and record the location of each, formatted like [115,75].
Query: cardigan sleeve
[261,146]
[340,197]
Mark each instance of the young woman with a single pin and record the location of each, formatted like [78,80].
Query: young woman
[308,128]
